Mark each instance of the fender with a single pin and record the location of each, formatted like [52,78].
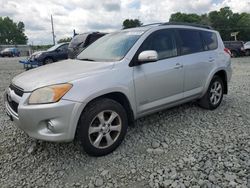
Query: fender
[95,95]
[210,77]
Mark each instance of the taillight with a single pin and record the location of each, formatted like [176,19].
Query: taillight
[227,51]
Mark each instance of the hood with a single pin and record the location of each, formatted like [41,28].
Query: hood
[38,52]
[60,72]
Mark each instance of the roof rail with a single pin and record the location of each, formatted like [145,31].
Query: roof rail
[159,23]
[188,24]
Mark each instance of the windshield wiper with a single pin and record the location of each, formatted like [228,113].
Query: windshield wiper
[86,59]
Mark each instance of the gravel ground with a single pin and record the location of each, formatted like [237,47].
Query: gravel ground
[185,146]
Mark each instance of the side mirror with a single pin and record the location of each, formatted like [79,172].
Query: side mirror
[148,56]
[58,50]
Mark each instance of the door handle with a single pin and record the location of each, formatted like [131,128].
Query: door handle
[178,66]
[211,59]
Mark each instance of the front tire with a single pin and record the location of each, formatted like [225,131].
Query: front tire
[48,60]
[214,95]
[102,127]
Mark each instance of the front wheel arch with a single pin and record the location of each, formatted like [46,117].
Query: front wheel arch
[46,58]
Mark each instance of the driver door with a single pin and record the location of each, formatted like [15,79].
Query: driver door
[159,83]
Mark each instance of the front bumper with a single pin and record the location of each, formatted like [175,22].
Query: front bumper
[30,63]
[50,122]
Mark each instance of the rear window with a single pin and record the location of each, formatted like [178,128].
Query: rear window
[190,41]
[234,44]
[92,38]
[237,44]
[78,40]
[210,40]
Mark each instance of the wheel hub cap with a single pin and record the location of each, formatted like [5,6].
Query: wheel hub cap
[105,129]
[216,93]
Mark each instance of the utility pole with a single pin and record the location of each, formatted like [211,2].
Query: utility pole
[53,33]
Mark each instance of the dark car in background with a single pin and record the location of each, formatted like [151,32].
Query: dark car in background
[53,54]
[10,52]
[236,48]
[81,41]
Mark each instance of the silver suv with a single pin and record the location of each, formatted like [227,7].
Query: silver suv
[121,77]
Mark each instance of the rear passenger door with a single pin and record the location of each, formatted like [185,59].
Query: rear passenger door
[161,82]
[197,62]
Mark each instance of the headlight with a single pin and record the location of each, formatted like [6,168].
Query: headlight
[49,94]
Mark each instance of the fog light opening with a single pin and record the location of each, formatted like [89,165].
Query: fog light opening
[50,126]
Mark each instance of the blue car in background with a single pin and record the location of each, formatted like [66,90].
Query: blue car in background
[55,53]
[10,52]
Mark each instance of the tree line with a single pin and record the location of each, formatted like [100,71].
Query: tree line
[225,21]
[11,32]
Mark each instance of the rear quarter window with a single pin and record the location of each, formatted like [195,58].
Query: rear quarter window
[210,40]
[190,41]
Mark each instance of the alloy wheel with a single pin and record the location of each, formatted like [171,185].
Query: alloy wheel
[215,93]
[105,129]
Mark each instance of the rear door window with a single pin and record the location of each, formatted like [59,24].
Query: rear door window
[190,41]
[210,40]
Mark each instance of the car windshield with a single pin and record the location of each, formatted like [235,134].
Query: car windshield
[54,47]
[112,47]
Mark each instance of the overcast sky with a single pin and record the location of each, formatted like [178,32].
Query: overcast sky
[100,15]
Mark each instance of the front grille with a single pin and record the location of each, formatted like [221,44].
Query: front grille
[13,104]
[18,91]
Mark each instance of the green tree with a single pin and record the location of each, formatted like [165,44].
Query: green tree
[68,39]
[11,32]
[225,21]
[243,27]
[130,23]
[222,21]
[183,17]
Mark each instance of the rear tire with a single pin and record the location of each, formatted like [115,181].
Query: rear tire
[234,54]
[247,52]
[102,127]
[214,95]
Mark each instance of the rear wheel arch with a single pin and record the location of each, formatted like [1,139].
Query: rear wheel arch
[223,75]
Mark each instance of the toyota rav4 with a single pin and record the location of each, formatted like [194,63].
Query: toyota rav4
[121,77]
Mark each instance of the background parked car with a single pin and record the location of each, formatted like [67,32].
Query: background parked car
[236,48]
[53,54]
[247,48]
[81,41]
[10,52]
